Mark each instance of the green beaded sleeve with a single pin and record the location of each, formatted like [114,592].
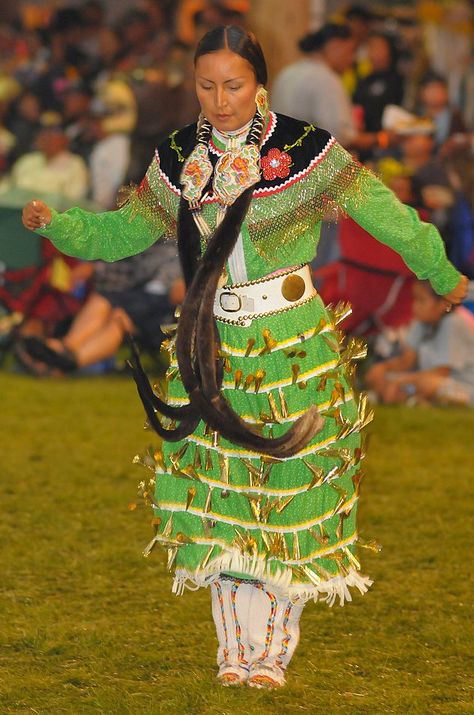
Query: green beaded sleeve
[109,236]
[148,213]
[382,215]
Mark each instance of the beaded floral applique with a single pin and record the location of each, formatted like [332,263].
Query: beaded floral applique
[236,171]
[196,173]
[276,164]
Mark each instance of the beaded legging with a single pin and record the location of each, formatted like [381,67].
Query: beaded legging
[256,630]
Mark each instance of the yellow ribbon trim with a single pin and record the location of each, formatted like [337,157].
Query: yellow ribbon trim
[234,521]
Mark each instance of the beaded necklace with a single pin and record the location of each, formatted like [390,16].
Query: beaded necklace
[236,170]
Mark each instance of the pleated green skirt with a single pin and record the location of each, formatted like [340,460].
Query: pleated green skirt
[291,523]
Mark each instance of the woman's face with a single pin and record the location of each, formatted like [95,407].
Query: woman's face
[226,87]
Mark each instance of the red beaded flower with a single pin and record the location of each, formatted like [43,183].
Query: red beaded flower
[276,164]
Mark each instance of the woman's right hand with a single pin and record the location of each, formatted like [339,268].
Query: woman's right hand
[36,214]
[458,294]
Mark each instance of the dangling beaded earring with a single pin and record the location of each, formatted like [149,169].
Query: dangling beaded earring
[261,100]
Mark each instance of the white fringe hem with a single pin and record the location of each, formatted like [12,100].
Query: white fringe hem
[257,568]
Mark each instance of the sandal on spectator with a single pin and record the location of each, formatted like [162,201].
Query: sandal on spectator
[38,349]
[32,365]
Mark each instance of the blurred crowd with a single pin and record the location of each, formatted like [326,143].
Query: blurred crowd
[83,102]
[70,83]
[386,95]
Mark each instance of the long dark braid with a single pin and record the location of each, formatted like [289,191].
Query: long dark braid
[197,339]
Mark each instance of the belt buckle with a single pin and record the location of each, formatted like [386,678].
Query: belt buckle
[232,302]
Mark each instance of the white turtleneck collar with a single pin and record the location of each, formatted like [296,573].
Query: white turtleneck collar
[233,138]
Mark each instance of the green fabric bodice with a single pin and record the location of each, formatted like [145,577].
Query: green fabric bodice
[282,226]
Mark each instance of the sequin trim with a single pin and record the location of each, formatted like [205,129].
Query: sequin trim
[165,178]
[230,452]
[292,417]
[253,525]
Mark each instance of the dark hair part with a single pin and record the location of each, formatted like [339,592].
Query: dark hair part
[315,41]
[238,40]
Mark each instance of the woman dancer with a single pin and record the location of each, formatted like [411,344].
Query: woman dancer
[257,481]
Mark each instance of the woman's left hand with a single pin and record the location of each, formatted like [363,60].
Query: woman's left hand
[458,294]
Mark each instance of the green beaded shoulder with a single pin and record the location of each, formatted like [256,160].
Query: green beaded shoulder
[279,217]
[155,199]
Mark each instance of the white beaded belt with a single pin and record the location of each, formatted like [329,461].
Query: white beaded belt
[241,303]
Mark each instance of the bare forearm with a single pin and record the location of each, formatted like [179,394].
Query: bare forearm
[403,362]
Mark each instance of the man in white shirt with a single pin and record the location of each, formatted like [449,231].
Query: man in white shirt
[52,169]
[115,120]
[311,89]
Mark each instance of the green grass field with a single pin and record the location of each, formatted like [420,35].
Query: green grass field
[89,626]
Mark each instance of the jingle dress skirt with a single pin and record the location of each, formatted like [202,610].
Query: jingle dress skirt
[219,508]
[292,522]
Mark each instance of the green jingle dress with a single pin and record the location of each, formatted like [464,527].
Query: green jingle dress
[218,507]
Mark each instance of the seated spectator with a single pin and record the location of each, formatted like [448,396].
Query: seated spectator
[9,89]
[435,104]
[418,155]
[437,362]
[32,57]
[52,168]
[64,60]
[76,104]
[48,294]
[94,29]
[44,297]
[383,86]
[431,179]
[24,122]
[360,21]
[137,42]
[134,295]
[195,17]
